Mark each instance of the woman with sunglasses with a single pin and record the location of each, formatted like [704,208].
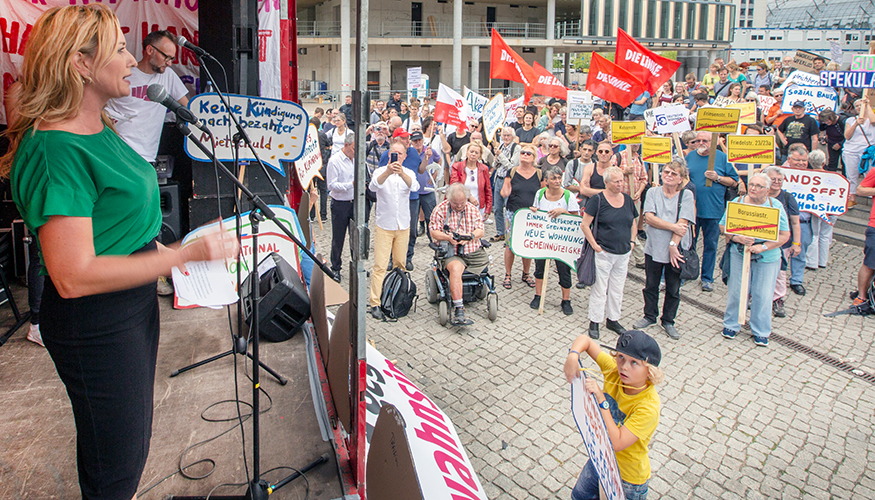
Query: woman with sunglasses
[520,187]
[556,153]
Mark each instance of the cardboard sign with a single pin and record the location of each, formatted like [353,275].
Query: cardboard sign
[579,105]
[753,221]
[804,61]
[858,79]
[721,120]
[816,99]
[475,103]
[765,103]
[863,62]
[818,192]
[535,235]
[668,119]
[748,112]
[627,132]
[591,426]
[751,149]
[311,161]
[656,149]
[277,129]
[722,101]
[493,116]
[442,466]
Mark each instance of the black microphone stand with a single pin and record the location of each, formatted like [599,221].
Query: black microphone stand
[258,488]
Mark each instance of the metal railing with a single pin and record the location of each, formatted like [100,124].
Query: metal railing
[507,30]
[318,29]
[427,29]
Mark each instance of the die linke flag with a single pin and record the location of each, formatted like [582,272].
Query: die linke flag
[611,82]
[506,64]
[450,108]
[648,66]
[547,84]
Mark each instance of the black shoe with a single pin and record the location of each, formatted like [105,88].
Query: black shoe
[615,326]
[459,317]
[536,302]
[580,286]
[593,330]
[421,230]
[409,265]
[377,313]
[778,308]
[640,266]
[566,307]
[798,289]
[324,219]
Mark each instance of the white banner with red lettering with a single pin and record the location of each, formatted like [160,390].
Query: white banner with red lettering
[269,49]
[442,466]
[137,18]
[818,192]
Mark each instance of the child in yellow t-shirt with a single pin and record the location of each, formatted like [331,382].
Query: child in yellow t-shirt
[629,406]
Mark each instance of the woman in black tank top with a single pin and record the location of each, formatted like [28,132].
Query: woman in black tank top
[520,187]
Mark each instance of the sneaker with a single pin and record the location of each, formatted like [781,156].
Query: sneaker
[642,324]
[165,286]
[489,221]
[536,302]
[707,286]
[409,265]
[798,289]
[377,313]
[593,330]
[615,326]
[34,336]
[566,307]
[778,308]
[761,341]
[671,331]
[459,317]
[729,334]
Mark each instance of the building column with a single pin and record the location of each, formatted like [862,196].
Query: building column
[551,34]
[567,72]
[475,68]
[457,43]
[345,61]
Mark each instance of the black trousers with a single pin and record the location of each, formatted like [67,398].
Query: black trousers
[562,270]
[105,348]
[834,157]
[654,271]
[341,219]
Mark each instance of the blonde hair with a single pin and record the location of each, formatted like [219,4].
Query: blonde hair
[50,85]
[655,375]
[610,172]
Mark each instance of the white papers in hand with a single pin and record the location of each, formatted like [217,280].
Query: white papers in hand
[207,284]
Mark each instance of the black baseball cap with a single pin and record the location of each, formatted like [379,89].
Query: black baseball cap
[800,104]
[639,345]
[416,136]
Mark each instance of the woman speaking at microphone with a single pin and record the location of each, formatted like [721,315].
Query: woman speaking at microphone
[94,204]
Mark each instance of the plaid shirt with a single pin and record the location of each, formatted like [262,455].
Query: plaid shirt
[464,222]
[640,175]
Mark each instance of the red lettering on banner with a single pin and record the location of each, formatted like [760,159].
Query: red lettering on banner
[12,42]
[8,80]
[458,487]
[442,459]
[184,56]
[426,413]
[434,436]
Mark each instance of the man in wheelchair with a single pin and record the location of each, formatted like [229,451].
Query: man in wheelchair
[458,222]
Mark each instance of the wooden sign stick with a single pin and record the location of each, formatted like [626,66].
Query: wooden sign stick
[544,286]
[745,283]
[630,177]
[712,155]
[677,143]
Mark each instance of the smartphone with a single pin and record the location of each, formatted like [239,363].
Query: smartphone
[393,157]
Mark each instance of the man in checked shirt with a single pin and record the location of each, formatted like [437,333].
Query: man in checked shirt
[463,219]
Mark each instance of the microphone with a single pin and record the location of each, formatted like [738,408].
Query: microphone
[182,42]
[158,94]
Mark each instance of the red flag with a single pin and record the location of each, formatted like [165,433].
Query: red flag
[611,82]
[506,64]
[547,84]
[648,66]
[450,108]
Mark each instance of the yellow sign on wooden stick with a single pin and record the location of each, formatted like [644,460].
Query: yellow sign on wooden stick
[717,120]
[748,112]
[656,149]
[627,132]
[750,220]
[751,149]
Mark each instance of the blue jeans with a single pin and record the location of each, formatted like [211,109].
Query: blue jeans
[797,263]
[711,230]
[498,203]
[762,285]
[587,487]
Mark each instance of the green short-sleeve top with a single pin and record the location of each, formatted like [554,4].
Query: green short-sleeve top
[97,176]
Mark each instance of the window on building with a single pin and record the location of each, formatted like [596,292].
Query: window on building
[623,14]
[750,25]
[593,17]
[609,17]
[691,21]
[721,21]
[677,28]
[703,21]
[664,18]
[651,19]
[638,8]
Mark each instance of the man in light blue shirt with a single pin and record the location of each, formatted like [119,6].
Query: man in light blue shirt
[639,106]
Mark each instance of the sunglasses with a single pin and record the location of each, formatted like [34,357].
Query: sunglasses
[605,152]
[528,153]
[554,145]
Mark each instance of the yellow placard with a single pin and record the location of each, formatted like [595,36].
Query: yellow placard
[753,221]
[748,112]
[722,120]
[627,132]
[751,149]
[656,149]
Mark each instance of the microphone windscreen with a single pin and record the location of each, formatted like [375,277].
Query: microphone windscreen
[180,40]
[156,92]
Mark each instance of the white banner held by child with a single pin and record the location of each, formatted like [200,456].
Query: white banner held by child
[591,426]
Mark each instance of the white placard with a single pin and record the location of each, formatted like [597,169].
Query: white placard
[765,103]
[442,466]
[579,105]
[816,99]
[668,119]
[277,129]
[510,110]
[310,162]
[802,79]
[591,426]
[475,103]
[535,235]
[817,192]
[493,116]
[269,49]
[414,78]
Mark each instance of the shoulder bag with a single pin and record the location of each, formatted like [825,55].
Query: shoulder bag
[586,262]
[689,268]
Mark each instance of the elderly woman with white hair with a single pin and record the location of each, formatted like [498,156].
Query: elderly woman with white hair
[765,263]
[611,213]
[817,255]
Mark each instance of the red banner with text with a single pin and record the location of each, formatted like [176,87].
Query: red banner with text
[611,82]
[648,66]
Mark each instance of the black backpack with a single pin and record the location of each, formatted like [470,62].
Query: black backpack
[398,295]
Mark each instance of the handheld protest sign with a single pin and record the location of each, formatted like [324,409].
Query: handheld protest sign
[717,120]
[748,112]
[670,119]
[656,149]
[535,235]
[627,132]
[310,162]
[493,116]
[804,61]
[752,149]
[816,99]
[820,193]
[750,220]
[591,426]
[580,105]
[863,62]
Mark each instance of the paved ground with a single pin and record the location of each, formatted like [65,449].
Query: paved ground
[737,421]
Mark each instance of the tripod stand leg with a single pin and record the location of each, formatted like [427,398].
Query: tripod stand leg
[201,363]
[282,380]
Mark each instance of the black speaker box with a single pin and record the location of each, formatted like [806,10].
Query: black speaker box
[284,304]
[232,38]
[171,228]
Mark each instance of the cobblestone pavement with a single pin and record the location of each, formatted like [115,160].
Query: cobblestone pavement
[737,421]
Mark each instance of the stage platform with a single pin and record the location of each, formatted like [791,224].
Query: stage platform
[37,432]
